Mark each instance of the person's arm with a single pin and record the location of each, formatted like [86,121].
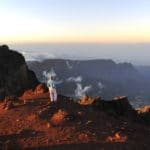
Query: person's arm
[59,82]
[48,84]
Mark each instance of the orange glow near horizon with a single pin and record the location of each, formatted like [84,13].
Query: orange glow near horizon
[75,21]
[75,36]
[29,30]
[33,31]
[71,39]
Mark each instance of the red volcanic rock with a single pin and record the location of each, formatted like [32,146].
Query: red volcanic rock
[40,89]
[28,93]
[88,100]
[44,113]
[39,92]
[145,109]
[116,138]
[68,125]
[59,117]
[119,105]
[8,102]
[144,114]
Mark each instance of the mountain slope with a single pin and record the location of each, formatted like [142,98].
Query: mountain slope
[69,125]
[15,77]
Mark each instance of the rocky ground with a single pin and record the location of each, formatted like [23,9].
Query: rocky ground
[32,123]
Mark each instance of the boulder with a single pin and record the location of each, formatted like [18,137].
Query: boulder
[119,105]
[144,114]
[40,89]
[88,100]
[58,118]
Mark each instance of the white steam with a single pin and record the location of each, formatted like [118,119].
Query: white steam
[74,79]
[48,74]
[69,65]
[80,91]
[101,86]
[38,56]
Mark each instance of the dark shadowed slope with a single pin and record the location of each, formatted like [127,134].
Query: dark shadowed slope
[15,77]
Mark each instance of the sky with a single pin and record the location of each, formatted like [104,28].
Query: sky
[105,21]
[117,29]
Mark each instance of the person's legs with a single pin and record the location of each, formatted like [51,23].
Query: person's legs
[55,95]
[51,94]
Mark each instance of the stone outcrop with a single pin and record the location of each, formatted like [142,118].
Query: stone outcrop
[144,114]
[119,105]
[38,91]
[145,109]
[41,88]
[87,100]
[15,77]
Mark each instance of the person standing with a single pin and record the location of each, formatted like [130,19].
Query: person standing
[51,84]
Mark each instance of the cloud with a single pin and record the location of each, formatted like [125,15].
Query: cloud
[69,65]
[74,79]
[101,86]
[37,56]
[48,74]
[81,91]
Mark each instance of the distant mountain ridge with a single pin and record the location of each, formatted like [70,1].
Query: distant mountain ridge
[88,68]
[101,77]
